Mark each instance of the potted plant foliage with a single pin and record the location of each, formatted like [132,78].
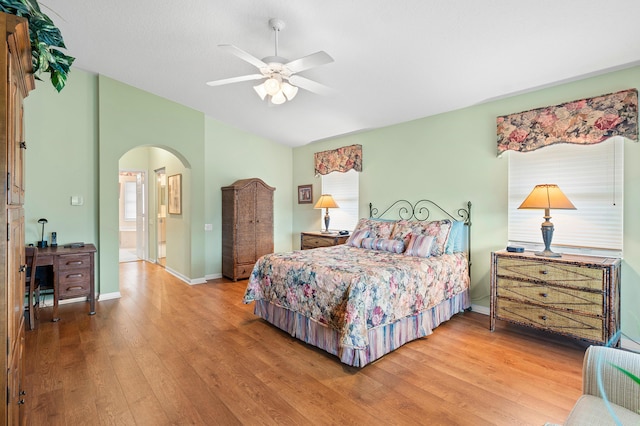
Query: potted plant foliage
[45,39]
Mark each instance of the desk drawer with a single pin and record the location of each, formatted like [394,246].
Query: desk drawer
[44,260]
[74,283]
[74,261]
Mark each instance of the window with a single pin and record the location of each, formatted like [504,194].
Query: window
[130,200]
[344,189]
[591,176]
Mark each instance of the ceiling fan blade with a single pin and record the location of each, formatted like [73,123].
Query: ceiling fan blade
[309,61]
[235,79]
[243,55]
[311,85]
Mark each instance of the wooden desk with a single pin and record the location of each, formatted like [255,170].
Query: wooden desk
[73,273]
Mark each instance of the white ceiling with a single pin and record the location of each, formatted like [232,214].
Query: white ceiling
[395,61]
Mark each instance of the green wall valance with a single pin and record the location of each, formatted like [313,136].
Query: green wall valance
[338,160]
[586,121]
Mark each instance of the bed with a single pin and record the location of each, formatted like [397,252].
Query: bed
[394,281]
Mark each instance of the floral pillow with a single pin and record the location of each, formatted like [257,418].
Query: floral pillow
[357,236]
[419,246]
[377,228]
[385,244]
[438,229]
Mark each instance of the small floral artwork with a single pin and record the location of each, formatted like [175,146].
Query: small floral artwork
[586,121]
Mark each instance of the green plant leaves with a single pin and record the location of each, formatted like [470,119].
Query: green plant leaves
[627,373]
[44,37]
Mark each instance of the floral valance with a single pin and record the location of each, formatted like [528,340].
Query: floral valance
[338,160]
[586,121]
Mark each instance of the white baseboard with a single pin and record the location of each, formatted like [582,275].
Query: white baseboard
[480,309]
[109,296]
[213,276]
[629,344]
[185,279]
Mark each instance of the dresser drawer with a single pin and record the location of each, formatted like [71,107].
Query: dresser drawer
[576,325]
[568,298]
[315,240]
[551,272]
[243,270]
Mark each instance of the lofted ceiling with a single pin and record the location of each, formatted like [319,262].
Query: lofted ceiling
[394,61]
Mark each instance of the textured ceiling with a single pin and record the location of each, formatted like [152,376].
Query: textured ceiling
[394,61]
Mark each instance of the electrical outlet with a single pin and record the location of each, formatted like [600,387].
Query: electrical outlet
[208,227]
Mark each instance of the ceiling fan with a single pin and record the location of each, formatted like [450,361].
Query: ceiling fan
[281,75]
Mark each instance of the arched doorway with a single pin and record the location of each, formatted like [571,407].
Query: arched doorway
[148,229]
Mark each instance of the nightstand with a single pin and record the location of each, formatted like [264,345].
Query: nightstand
[576,296]
[310,240]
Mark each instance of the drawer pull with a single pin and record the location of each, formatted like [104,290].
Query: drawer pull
[75,262]
[543,317]
[544,294]
[74,276]
[75,287]
[544,272]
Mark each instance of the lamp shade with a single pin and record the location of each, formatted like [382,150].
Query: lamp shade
[547,196]
[326,201]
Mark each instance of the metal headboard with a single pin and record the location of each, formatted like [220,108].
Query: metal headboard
[421,211]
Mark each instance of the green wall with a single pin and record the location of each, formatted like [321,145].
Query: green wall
[451,158]
[77,137]
[76,140]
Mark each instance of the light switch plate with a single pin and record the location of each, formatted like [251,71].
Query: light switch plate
[77,200]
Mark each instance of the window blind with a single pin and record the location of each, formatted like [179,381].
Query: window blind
[344,187]
[591,176]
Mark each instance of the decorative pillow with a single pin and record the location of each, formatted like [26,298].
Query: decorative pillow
[393,246]
[439,229]
[377,228]
[419,246]
[455,241]
[357,236]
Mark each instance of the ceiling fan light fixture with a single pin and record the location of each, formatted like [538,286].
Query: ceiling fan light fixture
[289,91]
[261,91]
[272,86]
[278,98]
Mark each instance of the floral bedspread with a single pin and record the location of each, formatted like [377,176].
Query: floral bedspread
[354,289]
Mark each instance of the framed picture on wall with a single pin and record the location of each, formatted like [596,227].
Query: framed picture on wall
[305,194]
[175,194]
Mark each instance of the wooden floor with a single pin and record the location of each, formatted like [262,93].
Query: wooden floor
[168,353]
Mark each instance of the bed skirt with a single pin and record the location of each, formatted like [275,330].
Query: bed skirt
[382,340]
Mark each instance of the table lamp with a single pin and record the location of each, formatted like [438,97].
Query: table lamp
[42,243]
[547,196]
[326,201]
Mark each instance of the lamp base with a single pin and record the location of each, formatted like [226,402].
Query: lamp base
[41,244]
[548,253]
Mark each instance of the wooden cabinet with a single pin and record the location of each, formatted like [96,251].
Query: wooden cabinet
[15,72]
[247,226]
[576,296]
[311,240]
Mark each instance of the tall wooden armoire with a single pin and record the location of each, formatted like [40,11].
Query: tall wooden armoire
[17,77]
[247,226]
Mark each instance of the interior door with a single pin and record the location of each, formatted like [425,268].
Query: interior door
[141,216]
[161,216]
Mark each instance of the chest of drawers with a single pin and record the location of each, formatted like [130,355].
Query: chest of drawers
[576,296]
